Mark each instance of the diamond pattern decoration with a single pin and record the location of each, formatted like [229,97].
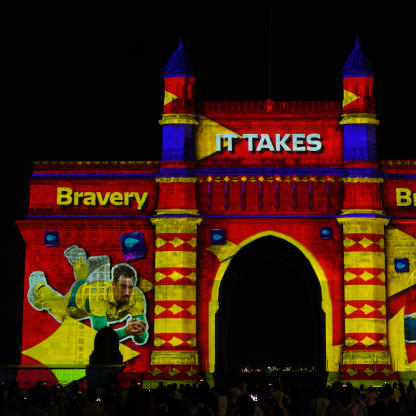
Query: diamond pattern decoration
[175,341]
[159,242]
[383,342]
[349,276]
[173,372]
[159,309]
[175,309]
[349,342]
[348,242]
[176,276]
[367,341]
[382,276]
[351,372]
[369,372]
[349,309]
[155,372]
[365,242]
[192,309]
[380,243]
[192,242]
[191,372]
[367,309]
[366,275]
[176,242]
[191,342]
[159,276]
[192,276]
[159,341]
[382,309]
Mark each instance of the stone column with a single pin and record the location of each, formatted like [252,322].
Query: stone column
[174,355]
[366,357]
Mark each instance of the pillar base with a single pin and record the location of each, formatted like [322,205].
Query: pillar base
[367,382]
[368,367]
[154,384]
[173,366]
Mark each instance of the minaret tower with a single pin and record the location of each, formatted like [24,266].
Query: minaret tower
[178,118]
[175,355]
[366,356]
[359,108]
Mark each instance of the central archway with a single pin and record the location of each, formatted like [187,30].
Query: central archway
[273,308]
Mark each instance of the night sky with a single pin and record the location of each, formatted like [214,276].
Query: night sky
[85,83]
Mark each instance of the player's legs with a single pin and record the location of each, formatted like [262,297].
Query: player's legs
[42,297]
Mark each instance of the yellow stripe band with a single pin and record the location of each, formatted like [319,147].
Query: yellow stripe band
[176,225]
[175,179]
[364,259]
[175,292]
[366,357]
[174,357]
[359,118]
[362,225]
[178,118]
[175,259]
[365,325]
[364,292]
[174,325]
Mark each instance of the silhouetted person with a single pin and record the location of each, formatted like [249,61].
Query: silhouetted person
[106,353]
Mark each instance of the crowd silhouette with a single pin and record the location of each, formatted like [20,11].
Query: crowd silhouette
[101,394]
[202,400]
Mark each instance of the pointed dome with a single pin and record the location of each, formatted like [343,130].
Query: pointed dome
[179,63]
[357,63]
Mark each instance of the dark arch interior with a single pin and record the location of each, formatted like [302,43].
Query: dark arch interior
[270,312]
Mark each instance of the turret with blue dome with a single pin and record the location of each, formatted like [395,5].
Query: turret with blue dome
[178,118]
[357,63]
[179,64]
[358,107]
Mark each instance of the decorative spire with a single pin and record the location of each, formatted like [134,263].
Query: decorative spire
[357,63]
[179,63]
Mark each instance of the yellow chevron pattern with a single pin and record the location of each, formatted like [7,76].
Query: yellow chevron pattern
[366,275]
[349,309]
[174,341]
[175,309]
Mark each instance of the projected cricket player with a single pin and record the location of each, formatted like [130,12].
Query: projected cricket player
[95,295]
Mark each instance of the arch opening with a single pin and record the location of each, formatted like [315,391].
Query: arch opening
[270,316]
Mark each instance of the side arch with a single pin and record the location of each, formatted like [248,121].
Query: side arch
[333,352]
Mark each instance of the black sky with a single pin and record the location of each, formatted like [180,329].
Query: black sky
[84,82]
